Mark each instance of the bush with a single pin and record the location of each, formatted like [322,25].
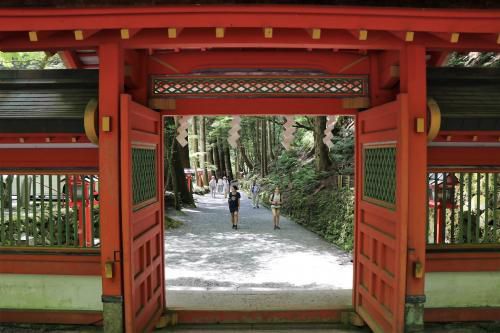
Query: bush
[310,199]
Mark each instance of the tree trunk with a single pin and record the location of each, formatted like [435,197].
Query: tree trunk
[178,158]
[170,124]
[322,160]
[203,150]
[245,158]
[269,141]
[227,159]
[220,149]
[256,145]
[217,163]
[211,162]
[237,164]
[263,148]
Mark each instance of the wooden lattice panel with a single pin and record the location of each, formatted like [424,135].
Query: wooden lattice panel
[144,175]
[284,86]
[379,175]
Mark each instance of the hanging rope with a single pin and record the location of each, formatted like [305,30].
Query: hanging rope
[289,131]
[182,130]
[330,124]
[234,132]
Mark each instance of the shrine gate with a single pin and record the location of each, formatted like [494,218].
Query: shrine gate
[82,152]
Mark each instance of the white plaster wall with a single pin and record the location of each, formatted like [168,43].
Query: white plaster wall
[50,292]
[462,289]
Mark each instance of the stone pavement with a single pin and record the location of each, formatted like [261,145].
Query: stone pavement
[291,268]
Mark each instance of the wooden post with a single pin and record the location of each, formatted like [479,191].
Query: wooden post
[110,86]
[413,82]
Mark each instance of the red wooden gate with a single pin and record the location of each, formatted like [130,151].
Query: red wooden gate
[381,217]
[142,211]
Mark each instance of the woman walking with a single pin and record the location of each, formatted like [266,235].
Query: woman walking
[234,205]
[226,186]
[276,201]
[212,184]
[220,185]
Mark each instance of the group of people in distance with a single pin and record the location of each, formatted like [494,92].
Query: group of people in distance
[230,191]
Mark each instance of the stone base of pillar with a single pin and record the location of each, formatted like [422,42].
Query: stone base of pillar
[414,314]
[112,313]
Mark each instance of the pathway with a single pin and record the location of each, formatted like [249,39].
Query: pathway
[292,265]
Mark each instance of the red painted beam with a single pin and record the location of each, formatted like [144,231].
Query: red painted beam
[446,315]
[49,158]
[51,317]
[463,156]
[259,106]
[70,59]
[464,261]
[350,18]
[250,38]
[50,261]
[320,60]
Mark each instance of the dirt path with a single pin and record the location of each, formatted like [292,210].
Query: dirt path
[206,253]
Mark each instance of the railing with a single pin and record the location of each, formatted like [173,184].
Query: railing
[345,181]
[463,207]
[49,210]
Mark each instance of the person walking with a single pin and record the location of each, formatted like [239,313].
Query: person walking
[255,194]
[276,201]
[220,185]
[212,184]
[225,181]
[234,205]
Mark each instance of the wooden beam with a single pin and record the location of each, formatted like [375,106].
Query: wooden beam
[252,38]
[162,103]
[37,36]
[84,34]
[409,36]
[315,33]
[498,38]
[452,37]
[363,34]
[268,32]
[174,32]
[389,77]
[388,69]
[219,32]
[70,59]
[126,33]
[356,103]
[33,36]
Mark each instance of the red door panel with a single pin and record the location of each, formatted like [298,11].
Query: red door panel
[380,250]
[142,211]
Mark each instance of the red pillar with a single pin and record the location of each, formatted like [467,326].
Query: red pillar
[110,86]
[413,82]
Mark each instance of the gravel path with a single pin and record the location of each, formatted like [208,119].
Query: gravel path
[206,254]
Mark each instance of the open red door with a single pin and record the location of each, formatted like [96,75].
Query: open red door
[142,211]
[381,217]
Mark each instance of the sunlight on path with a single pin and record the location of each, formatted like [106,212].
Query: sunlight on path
[206,254]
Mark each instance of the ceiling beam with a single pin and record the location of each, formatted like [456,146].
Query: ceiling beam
[70,59]
[246,38]
[256,106]
[126,33]
[84,34]
[349,18]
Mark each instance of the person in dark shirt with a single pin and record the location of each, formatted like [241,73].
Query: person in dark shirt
[234,205]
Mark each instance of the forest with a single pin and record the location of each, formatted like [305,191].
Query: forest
[311,175]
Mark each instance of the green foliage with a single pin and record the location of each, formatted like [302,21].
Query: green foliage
[171,223]
[474,59]
[30,60]
[38,226]
[311,199]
